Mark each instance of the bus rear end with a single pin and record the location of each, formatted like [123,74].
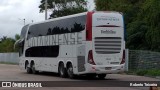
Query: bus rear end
[105,32]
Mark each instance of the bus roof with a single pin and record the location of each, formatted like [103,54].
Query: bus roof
[70,16]
[59,18]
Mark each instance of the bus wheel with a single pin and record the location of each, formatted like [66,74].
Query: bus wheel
[70,71]
[62,70]
[101,76]
[28,69]
[34,71]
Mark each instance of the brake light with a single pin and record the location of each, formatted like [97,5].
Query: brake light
[89,26]
[90,58]
[123,57]
[107,26]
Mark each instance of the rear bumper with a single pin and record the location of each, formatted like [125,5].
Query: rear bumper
[105,69]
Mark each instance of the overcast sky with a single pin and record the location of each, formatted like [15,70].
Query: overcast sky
[12,13]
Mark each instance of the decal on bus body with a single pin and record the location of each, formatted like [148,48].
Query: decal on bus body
[61,39]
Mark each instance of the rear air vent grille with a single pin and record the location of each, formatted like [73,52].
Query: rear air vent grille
[107,45]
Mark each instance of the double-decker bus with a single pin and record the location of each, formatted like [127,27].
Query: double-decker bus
[90,43]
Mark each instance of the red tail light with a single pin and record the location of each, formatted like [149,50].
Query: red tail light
[123,57]
[89,26]
[90,58]
[107,26]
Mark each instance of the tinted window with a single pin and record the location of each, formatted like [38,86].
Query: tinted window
[43,51]
[21,48]
[69,25]
[24,31]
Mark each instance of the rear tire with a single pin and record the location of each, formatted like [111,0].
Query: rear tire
[101,76]
[70,71]
[34,71]
[62,70]
[28,69]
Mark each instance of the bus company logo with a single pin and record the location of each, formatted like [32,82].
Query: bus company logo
[108,18]
[6,84]
[60,39]
[108,32]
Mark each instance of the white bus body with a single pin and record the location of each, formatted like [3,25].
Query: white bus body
[85,43]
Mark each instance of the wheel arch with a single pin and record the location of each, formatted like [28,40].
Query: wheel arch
[59,62]
[68,63]
[26,62]
[32,62]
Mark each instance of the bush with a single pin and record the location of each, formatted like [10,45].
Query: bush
[141,72]
[151,72]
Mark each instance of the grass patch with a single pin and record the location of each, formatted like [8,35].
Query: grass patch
[9,63]
[154,72]
[141,72]
[149,72]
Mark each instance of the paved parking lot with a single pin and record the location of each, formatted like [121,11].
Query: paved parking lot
[13,73]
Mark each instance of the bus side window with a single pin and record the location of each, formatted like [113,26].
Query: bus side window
[21,48]
[28,35]
[43,51]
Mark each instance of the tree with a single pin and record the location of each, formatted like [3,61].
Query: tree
[152,16]
[17,37]
[7,44]
[64,7]
[141,20]
[3,38]
[102,5]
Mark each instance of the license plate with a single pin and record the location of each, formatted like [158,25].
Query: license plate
[108,68]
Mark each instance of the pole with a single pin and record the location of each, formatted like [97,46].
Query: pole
[127,59]
[46,9]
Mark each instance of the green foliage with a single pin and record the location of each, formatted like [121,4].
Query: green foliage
[141,72]
[7,44]
[136,36]
[141,19]
[64,7]
[17,37]
[102,4]
[152,72]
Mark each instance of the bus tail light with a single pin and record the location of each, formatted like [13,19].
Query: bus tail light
[89,26]
[123,57]
[90,58]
